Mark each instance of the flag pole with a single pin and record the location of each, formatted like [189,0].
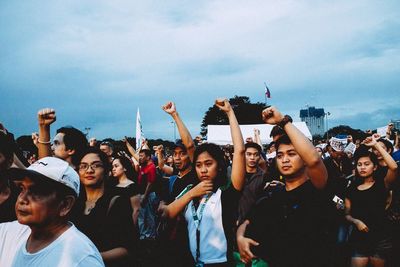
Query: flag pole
[265,94]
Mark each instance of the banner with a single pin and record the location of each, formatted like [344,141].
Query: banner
[139,131]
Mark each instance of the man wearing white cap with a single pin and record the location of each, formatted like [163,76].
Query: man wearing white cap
[43,236]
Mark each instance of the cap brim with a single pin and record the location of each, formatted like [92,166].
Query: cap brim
[18,174]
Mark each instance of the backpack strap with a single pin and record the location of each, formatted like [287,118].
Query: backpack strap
[171,182]
[112,201]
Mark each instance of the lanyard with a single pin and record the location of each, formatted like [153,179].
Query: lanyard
[197,220]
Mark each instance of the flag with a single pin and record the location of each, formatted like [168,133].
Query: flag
[139,131]
[267,92]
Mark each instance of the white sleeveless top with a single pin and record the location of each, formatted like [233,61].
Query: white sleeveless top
[213,244]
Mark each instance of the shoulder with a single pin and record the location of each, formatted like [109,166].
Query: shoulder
[83,251]
[14,229]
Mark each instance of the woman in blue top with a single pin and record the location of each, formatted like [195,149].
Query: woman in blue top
[210,206]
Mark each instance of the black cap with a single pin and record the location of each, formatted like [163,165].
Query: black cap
[178,143]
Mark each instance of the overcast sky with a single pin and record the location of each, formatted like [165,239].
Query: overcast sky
[96,62]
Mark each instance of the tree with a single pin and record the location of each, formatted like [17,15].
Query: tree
[246,113]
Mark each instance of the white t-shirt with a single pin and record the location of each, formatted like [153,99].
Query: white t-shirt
[72,248]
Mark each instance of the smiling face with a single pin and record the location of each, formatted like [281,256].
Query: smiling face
[288,161]
[206,167]
[91,170]
[37,204]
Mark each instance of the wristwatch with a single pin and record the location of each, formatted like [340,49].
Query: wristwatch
[284,121]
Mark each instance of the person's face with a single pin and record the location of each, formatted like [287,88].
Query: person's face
[181,159]
[36,205]
[252,157]
[378,155]
[271,148]
[143,159]
[117,169]
[106,149]
[349,138]
[288,161]
[92,142]
[58,147]
[91,170]
[206,167]
[365,167]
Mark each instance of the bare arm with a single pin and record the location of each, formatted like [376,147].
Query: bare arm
[257,138]
[114,254]
[46,117]
[361,226]
[135,204]
[161,162]
[238,161]
[244,243]
[184,133]
[315,167]
[391,164]
[173,209]
[131,150]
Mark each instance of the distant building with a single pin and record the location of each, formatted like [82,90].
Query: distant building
[315,119]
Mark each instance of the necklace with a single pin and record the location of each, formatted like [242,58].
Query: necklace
[89,205]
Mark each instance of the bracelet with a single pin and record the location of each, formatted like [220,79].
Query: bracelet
[284,121]
[44,142]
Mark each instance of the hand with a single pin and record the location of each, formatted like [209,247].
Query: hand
[273,183]
[370,141]
[169,108]
[256,131]
[35,139]
[271,115]
[223,104]
[362,227]
[203,188]
[46,116]
[244,244]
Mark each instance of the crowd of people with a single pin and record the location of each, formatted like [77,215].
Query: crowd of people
[291,203]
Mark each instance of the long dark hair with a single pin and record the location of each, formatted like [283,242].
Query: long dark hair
[218,155]
[130,171]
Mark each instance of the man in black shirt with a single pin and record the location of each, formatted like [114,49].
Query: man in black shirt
[287,225]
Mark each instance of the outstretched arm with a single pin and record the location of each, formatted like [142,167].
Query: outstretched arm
[46,117]
[238,162]
[184,133]
[315,167]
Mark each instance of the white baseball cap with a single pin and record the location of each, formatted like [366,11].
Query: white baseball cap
[52,168]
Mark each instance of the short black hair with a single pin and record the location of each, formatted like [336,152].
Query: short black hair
[74,140]
[284,139]
[276,130]
[147,152]
[252,145]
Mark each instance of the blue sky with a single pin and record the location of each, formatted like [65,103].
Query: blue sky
[96,62]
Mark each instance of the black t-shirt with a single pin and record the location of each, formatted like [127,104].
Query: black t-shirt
[7,208]
[107,227]
[291,226]
[369,205]
[179,185]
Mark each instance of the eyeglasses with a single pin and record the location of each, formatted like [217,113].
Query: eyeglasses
[93,166]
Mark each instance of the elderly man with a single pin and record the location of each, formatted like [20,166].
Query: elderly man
[43,236]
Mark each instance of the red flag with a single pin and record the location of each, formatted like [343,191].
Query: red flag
[267,92]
